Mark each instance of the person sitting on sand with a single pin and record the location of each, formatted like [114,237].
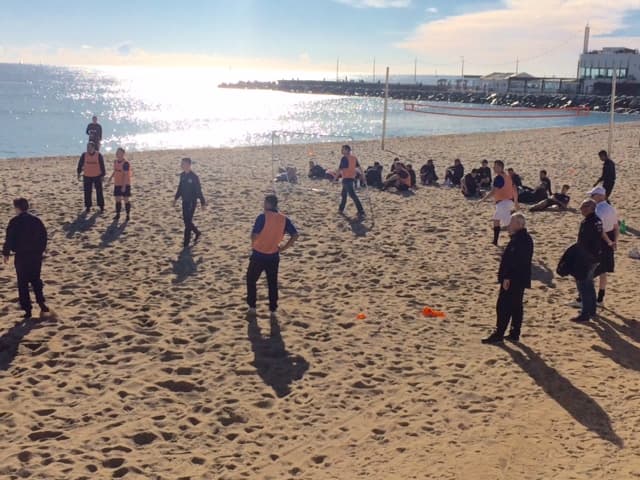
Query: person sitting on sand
[538,194]
[514,277]
[560,200]
[505,195]
[287,174]
[412,174]
[400,179]
[268,232]
[121,177]
[316,172]
[484,176]
[454,174]
[515,178]
[190,190]
[373,175]
[27,237]
[469,185]
[428,174]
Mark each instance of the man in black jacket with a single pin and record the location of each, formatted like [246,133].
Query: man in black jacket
[514,276]
[608,177]
[94,130]
[190,190]
[590,242]
[27,237]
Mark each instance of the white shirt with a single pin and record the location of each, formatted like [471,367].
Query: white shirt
[608,215]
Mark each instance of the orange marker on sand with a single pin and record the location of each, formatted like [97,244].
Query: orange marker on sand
[431,313]
[361,316]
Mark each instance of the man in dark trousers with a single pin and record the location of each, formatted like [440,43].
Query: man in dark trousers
[267,234]
[514,276]
[27,237]
[190,190]
[91,169]
[94,130]
[608,177]
[349,169]
[590,239]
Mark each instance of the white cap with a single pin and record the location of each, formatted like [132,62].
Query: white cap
[597,191]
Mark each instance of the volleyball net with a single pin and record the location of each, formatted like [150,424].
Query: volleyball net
[494,112]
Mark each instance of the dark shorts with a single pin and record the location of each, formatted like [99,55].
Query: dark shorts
[117,191]
[607,258]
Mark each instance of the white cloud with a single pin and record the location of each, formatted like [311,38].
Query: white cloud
[432,10]
[376,3]
[546,35]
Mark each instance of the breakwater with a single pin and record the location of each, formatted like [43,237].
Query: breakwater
[416,92]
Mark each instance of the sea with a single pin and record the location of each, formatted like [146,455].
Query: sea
[44,111]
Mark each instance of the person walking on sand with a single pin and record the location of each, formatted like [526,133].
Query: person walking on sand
[190,190]
[348,169]
[514,276]
[505,195]
[94,130]
[269,230]
[611,230]
[27,237]
[91,168]
[121,177]
[608,177]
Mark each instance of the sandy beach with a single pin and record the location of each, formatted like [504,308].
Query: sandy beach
[150,370]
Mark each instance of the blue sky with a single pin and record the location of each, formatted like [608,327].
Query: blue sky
[311,34]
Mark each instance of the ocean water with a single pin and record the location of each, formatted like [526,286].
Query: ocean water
[44,111]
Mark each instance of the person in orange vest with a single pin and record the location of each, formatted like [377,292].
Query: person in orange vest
[349,171]
[268,232]
[505,194]
[91,168]
[121,177]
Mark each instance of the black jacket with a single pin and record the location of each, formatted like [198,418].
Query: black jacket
[94,130]
[590,237]
[26,235]
[575,262]
[608,177]
[516,260]
[189,188]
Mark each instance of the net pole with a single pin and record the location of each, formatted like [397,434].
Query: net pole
[386,105]
[613,112]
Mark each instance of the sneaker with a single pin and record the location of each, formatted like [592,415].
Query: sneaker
[580,319]
[492,339]
[512,338]
[44,308]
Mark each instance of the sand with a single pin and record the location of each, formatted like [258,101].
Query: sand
[149,368]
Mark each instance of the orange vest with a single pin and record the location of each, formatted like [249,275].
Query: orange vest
[92,165]
[407,179]
[350,172]
[506,192]
[121,177]
[268,240]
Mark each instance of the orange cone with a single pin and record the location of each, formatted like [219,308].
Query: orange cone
[361,316]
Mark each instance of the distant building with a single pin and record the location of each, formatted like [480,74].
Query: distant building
[595,68]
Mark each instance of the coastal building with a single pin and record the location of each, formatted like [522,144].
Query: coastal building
[595,70]
[524,83]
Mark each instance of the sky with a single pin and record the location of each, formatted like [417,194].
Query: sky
[544,36]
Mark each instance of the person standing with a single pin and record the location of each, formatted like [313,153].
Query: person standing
[27,237]
[91,168]
[514,277]
[590,243]
[505,195]
[121,177]
[190,190]
[268,232]
[611,230]
[608,177]
[348,169]
[94,130]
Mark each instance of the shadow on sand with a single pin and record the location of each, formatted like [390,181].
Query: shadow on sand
[277,367]
[620,351]
[10,341]
[185,266]
[82,223]
[113,233]
[577,403]
[543,274]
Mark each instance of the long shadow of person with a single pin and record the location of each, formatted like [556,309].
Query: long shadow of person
[542,273]
[358,228]
[113,232]
[620,351]
[10,341]
[82,223]
[185,266]
[631,327]
[277,367]
[577,403]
